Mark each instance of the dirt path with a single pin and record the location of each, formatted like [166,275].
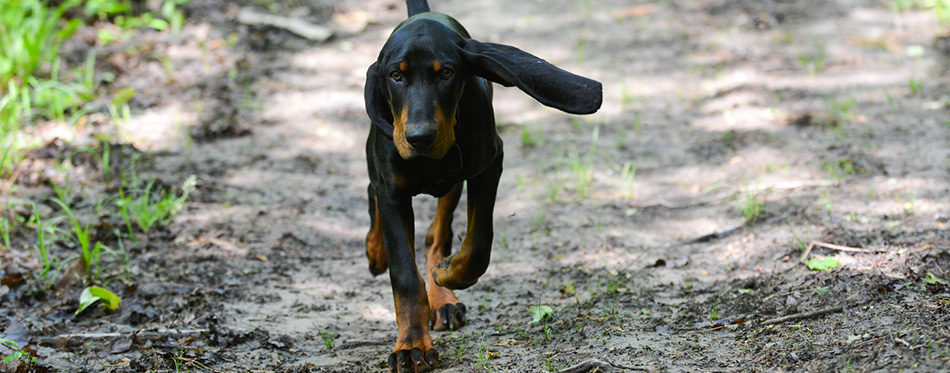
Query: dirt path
[628,223]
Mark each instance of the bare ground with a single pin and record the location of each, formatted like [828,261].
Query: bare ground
[821,112]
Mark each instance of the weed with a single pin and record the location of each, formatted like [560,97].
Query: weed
[916,87]
[714,312]
[31,36]
[751,205]
[146,212]
[627,98]
[802,245]
[531,139]
[552,190]
[93,294]
[91,254]
[627,175]
[814,59]
[460,348]
[584,168]
[5,228]
[328,337]
[16,354]
[844,111]
[481,359]
[581,50]
[48,275]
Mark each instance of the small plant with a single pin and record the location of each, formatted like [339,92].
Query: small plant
[91,254]
[48,275]
[584,168]
[714,312]
[93,294]
[814,60]
[540,313]
[627,175]
[916,87]
[147,213]
[5,228]
[844,111]
[751,205]
[481,359]
[822,264]
[531,139]
[328,338]
[16,354]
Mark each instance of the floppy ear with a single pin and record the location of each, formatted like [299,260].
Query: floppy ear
[551,86]
[376,106]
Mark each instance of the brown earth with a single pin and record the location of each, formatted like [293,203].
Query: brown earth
[831,116]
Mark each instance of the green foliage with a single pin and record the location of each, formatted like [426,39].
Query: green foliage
[148,210]
[932,279]
[814,60]
[751,205]
[13,346]
[584,167]
[822,264]
[91,254]
[48,275]
[540,313]
[30,36]
[328,337]
[93,294]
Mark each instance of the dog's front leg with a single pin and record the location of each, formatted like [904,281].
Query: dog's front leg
[413,344]
[463,269]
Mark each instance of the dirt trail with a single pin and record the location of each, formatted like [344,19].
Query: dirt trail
[627,223]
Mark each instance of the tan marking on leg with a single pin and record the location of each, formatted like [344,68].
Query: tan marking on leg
[440,234]
[375,246]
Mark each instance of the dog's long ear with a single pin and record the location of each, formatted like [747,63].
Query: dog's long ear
[550,85]
[376,106]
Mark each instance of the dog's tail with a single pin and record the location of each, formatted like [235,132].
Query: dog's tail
[417,6]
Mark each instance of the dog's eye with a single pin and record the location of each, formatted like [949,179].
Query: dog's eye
[395,75]
[447,73]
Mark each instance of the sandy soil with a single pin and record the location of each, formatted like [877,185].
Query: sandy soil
[628,223]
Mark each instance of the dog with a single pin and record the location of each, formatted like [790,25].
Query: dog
[429,98]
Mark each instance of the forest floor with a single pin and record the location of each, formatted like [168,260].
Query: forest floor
[668,232]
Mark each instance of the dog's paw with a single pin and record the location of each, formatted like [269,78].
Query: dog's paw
[454,277]
[413,360]
[449,317]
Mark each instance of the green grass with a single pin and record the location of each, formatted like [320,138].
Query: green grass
[37,87]
[583,168]
[148,210]
[751,205]
[90,253]
[30,36]
[48,274]
[328,338]
[627,175]
[814,59]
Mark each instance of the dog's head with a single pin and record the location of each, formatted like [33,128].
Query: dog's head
[413,89]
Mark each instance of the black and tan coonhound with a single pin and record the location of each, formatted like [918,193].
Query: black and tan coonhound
[429,97]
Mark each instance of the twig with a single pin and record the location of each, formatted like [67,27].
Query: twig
[728,232]
[731,192]
[835,247]
[297,26]
[804,315]
[140,334]
[199,364]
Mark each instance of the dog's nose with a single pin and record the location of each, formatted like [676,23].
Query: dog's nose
[420,138]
